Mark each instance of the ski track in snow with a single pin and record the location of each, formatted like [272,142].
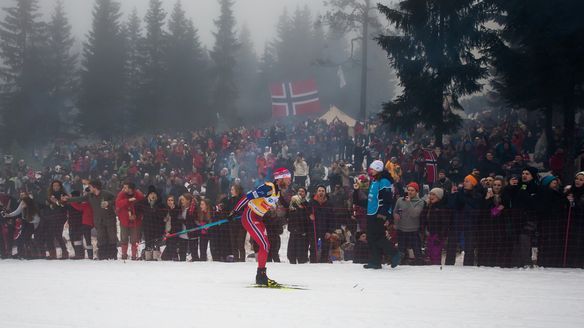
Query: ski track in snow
[199,294]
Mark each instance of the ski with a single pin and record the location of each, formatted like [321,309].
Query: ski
[280,286]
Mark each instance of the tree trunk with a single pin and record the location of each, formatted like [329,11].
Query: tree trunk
[364,45]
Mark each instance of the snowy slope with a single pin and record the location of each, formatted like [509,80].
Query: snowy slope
[168,294]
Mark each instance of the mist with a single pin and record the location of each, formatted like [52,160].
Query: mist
[260,16]
[124,67]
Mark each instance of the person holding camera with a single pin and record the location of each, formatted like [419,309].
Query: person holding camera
[299,226]
[300,171]
[54,219]
[28,215]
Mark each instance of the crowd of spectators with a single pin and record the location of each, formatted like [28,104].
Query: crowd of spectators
[479,194]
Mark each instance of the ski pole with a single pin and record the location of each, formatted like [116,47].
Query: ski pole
[567,235]
[206,226]
[315,241]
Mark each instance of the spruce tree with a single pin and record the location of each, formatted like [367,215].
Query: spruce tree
[185,87]
[295,46]
[151,105]
[102,75]
[246,73]
[434,56]
[538,60]
[224,89]
[23,88]
[132,32]
[61,69]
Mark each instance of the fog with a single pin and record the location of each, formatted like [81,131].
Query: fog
[259,15]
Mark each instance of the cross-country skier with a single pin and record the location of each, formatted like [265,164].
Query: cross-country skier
[255,205]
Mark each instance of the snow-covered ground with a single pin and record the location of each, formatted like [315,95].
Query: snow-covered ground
[170,294]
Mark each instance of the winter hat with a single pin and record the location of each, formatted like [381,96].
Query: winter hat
[414,185]
[472,179]
[439,192]
[579,173]
[282,173]
[151,189]
[531,170]
[377,165]
[545,181]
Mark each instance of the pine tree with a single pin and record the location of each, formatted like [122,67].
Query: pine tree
[23,90]
[102,75]
[294,46]
[266,75]
[433,57]
[61,66]
[151,103]
[132,32]
[186,88]
[281,47]
[246,73]
[355,16]
[538,60]
[225,89]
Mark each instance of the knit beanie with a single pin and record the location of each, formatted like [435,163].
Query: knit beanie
[414,185]
[531,170]
[545,181]
[439,192]
[579,173]
[472,179]
[151,189]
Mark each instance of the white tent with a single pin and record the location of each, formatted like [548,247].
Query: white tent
[336,114]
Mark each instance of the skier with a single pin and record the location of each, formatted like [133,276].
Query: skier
[255,205]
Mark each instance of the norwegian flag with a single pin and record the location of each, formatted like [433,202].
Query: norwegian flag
[294,98]
[431,165]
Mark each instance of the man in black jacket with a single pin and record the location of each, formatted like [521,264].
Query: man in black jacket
[299,226]
[322,216]
[526,202]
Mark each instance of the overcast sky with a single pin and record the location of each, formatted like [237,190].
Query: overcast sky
[259,15]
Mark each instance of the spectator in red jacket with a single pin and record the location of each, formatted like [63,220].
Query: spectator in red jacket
[86,223]
[130,223]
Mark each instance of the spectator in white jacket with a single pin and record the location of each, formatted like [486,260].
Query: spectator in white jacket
[300,171]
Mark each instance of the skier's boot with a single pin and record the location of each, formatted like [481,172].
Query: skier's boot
[263,280]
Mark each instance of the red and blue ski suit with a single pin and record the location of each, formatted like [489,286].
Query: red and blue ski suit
[259,202]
